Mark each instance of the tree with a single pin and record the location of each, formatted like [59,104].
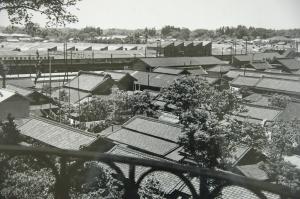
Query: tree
[209,132]
[95,110]
[20,12]
[283,141]
[280,101]
[9,134]
[32,29]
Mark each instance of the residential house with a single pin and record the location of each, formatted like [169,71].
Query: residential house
[14,104]
[241,60]
[61,136]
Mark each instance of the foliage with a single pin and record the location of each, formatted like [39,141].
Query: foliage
[283,141]
[95,110]
[140,104]
[56,12]
[24,177]
[93,181]
[188,93]
[9,133]
[280,101]
[63,96]
[151,189]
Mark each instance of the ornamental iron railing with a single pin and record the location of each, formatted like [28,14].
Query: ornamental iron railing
[69,161]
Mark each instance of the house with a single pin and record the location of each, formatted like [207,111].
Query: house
[14,104]
[240,60]
[123,79]
[268,85]
[262,113]
[260,65]
[149,64]
[148,135]
[60,136]
[152,81]
[234,73]
[84,85]
[35,98]
[218,71]
[289,65]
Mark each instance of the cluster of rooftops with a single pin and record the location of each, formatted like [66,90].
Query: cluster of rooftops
[151,138]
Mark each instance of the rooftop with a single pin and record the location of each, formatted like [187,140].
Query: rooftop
[291,64]
[56,134]
[181,61]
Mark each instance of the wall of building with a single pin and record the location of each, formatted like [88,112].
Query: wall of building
[17,106]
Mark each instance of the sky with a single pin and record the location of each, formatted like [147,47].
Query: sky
[192,14]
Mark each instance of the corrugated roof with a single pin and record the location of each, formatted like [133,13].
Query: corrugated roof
[291,64]
[56,134]
[181,61]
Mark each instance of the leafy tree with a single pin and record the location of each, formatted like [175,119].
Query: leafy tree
[209,132]
[9,134]
[95,110]
[151,189]
[32,29]
[283,141]
[55,11]
[280,101]
[140,104]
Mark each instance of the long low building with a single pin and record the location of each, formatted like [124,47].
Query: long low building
[149,64]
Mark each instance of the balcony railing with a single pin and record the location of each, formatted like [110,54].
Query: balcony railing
[70,160]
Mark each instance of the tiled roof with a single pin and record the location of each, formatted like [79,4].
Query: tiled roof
[154,127]
[5,94]
[167,181]
[143,142]
[258,99]
[56,134]
[155,79]
[21,90]
[280,85]
[253,171]
[171,71]
[241,81]
[291,112]
[181,61]
[86,81]
[261,113]
[260,65]
[291,64]
[257,56]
